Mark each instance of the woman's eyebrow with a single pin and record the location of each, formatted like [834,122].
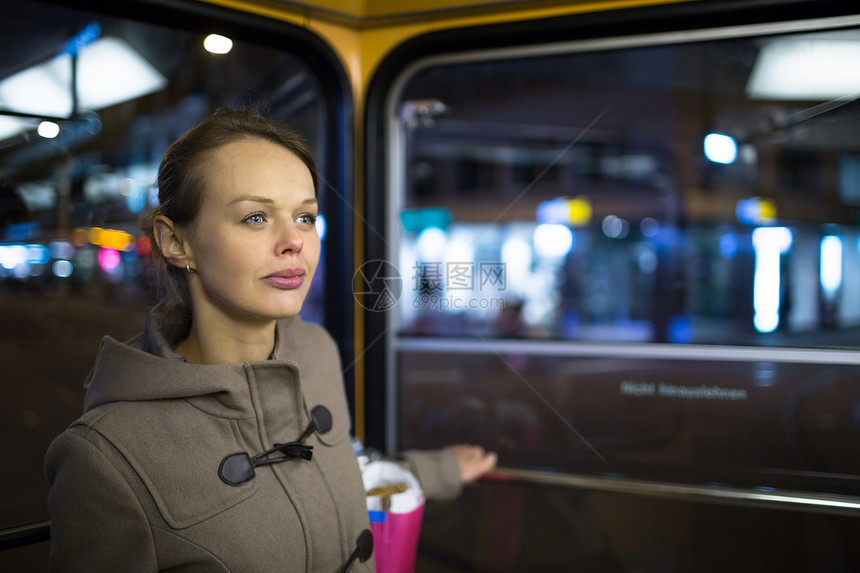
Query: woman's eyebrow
[252,198]
[267,200]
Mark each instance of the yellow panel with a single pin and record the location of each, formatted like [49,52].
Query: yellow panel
[400,8]
[362,42]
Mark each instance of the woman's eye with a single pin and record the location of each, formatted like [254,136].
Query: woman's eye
[255,219]
[307,219]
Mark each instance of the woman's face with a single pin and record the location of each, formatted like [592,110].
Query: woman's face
[254,243]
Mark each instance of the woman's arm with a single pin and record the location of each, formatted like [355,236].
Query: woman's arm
[442,473]
[97,523]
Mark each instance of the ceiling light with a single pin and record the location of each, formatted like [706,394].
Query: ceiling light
[720,148]
[48,129]
[806,69]
[110,71]
[217,44]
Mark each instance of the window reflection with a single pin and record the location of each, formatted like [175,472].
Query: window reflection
[691,193]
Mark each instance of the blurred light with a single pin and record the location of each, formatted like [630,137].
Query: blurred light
[135,196]
[615,227]
[37,196]
[62,250]
[517,258]
[48,129]
[769,243]
[647,259]
[431,244]
[85,259]
[152,196]
[38,254]
[680,329]
[80,236]
[764,376]
[217,44]
[22,270]
[831,264]
[95,235]
[109,259]
[649,227]
[779,238]
[107,238]
[720,148]
[460,246]
[552,240]
[517,252]
[806,69]
[62,269]
[728,245]
[320,225]
[755,211]
[748,154]
[554,211]
[136,201]
[110,71]
[580,211]
[94,125]
[416,220]
[103,186]
[84,38]
[575,212]
[23,231]
[12,256]
[143,245]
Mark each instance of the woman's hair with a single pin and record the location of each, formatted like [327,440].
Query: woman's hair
[182,179]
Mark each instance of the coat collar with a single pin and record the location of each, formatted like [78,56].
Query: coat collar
[147,368]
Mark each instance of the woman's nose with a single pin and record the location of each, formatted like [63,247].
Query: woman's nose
[290,240]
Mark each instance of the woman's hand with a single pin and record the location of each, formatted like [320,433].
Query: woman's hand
[474,461]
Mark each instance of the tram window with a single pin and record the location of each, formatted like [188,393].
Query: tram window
[650,276]
[72,265]
[622,191]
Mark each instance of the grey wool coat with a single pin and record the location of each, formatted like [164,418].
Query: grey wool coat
[136,481]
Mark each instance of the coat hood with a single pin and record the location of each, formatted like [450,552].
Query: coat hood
[147,368]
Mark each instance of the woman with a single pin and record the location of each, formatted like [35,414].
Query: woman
[218,439]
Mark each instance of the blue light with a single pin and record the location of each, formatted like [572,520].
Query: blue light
[38,254]
[680,329]
[82,39]
[728,246]
[720,148]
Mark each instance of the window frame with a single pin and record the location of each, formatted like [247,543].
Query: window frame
[652,26]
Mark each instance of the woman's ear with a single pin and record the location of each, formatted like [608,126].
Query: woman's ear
[171,241]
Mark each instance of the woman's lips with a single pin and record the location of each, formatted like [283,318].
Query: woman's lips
[287,279]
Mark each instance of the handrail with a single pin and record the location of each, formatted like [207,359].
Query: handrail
[38,531]
[25,534]
[768,498]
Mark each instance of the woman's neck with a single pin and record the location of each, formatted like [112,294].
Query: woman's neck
[228,344]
